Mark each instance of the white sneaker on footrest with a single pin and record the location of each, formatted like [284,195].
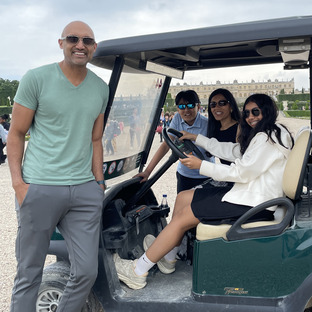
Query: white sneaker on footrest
[125,271]
[165,266]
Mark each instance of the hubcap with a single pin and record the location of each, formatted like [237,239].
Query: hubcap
[48,300]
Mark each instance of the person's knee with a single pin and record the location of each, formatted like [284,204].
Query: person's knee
[86,274]
[183,199]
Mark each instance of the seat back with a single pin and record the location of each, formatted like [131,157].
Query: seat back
[296,165]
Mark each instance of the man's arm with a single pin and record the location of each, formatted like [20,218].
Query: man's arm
[160,153]
[22,118]
[97,158]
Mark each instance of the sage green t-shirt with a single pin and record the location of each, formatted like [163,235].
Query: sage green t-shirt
[59,151]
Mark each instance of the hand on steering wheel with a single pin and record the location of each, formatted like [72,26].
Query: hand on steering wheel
[181,147]
[191,162]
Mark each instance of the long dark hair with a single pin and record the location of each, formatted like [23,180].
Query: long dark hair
[267,124]
[213,124]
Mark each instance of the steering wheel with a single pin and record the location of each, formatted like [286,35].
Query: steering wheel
[180,147]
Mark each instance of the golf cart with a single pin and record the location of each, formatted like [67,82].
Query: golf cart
[259,266]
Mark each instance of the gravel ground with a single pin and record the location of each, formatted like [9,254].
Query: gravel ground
[166,185]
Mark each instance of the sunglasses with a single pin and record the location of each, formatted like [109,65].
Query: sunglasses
[189,106]
[255,111]
[74,40]
[220,103]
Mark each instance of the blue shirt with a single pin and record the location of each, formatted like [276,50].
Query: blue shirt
[198,127]
[3,134]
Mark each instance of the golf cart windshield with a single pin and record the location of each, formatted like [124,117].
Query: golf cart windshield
[129,124]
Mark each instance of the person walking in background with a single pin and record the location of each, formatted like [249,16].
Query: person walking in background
[159,130]
[135,128]
[4,129]
[167,121]
[3,140]
[61,181]
[4,121]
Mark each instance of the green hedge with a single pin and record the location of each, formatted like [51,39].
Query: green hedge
[297,113]
[5,110]
[294,97]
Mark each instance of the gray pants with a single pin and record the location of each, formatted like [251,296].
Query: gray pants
[76,211]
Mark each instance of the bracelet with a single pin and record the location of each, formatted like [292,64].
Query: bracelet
[101,182]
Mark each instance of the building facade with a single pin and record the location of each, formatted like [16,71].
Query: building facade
[240,90]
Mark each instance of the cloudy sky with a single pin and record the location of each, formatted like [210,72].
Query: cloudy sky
[30,28]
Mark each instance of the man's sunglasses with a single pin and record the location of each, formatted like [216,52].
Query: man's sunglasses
[74,40]
[184,106]
[255,111]
[220,103]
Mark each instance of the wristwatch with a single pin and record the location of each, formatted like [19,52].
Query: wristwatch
[101,182]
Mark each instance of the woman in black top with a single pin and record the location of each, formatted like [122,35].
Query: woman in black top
[224,117]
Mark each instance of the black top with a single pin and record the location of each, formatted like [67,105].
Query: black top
[228,135]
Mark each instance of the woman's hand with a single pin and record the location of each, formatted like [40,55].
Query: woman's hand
[191,162]
[188,136]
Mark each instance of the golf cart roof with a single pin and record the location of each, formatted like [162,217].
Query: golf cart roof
[284,40]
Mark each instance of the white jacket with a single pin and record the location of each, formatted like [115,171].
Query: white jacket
[257,174]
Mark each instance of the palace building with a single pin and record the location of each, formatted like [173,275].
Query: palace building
[240,90]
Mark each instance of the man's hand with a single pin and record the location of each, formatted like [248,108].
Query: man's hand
[20,192]
[191,162]
[144,175]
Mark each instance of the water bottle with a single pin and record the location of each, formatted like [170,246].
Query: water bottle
[164,202]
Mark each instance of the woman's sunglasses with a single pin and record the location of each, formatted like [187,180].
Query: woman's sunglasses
[189,106]
[255,111]
[220,103]
[74,40]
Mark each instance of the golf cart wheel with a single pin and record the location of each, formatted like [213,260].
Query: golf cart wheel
[54,280]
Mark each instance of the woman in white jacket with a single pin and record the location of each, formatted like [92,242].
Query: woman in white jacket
[258,161]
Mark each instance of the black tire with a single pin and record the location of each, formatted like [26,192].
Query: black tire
[54,280]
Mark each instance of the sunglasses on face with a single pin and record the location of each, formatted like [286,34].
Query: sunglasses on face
[74,40]
[220,103]
[255,111]
[184,106]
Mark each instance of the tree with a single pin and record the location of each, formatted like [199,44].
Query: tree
[7,91]
[295,105]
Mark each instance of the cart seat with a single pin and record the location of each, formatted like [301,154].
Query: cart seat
[208,231]
[293,179]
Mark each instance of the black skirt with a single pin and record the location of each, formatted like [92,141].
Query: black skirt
[208,207]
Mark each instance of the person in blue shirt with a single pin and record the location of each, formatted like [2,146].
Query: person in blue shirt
[3,138]
[188,119]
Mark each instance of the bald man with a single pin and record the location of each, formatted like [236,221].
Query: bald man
[59,180]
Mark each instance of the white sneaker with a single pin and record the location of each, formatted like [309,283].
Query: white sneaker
[165,266]
[125,271]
